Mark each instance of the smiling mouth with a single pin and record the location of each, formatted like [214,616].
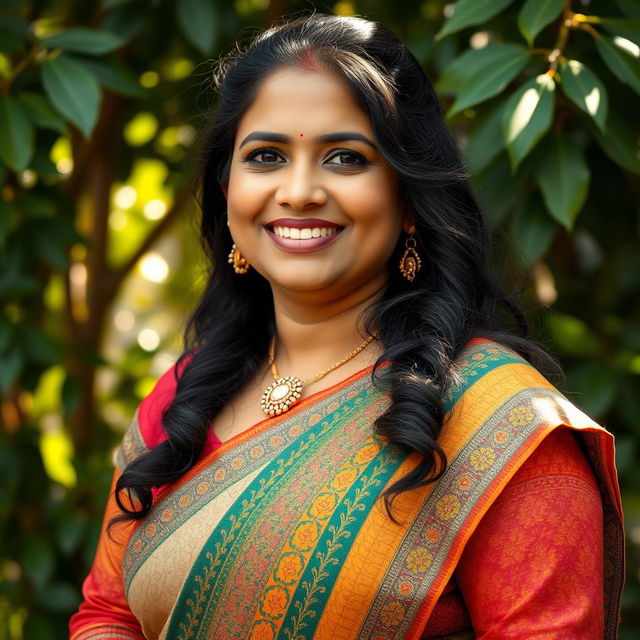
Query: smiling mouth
[292,236]
[304,233]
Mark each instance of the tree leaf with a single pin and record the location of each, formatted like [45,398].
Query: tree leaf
[11,364]
[83,40]
[199,22]
[585,90]
[16,134]
[17,285]
[14,32]
[40,111]
[630,8]
[69,532]
[619,142]
[563,176]
[31,205]
[527,116]
[111,4]
[38,347]
[595,385]
[38,561]
[629,29]
[532,230]
[486,140]
[73,91]
[490,82]
[467,13]
[624,66]
[572,335]
[535,15]
[475,61]
[114,75]
[127,20]
[60,597]
[498,189]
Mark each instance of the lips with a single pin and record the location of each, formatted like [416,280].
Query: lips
[301,235]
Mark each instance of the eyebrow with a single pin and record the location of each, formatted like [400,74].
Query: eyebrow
[341,136]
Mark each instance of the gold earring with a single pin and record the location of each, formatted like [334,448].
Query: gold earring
[410,263]
[240,264]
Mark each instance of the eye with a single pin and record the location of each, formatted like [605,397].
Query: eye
[265,157]
[348,159]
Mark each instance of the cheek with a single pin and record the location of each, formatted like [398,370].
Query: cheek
[376,202]
[244,199]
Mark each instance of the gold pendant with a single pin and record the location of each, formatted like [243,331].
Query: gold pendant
[281,395]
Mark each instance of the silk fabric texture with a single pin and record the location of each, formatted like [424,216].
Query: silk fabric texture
[280,532]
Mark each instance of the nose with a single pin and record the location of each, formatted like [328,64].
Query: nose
[300,187]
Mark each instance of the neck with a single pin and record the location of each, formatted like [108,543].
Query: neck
[312,337]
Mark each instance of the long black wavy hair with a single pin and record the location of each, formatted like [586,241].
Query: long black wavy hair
[423,325]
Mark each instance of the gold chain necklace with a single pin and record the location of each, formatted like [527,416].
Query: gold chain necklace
[283,393]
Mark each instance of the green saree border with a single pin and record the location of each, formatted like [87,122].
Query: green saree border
[474,363]
[424,550]
[320,448]
[334,545]
[209,573]
[174,509]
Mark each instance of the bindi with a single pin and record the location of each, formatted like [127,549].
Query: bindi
[302,135]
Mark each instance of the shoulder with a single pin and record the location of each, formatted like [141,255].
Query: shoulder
[557,459]
[488,364]
[146,431]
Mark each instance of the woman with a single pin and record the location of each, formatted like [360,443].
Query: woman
[408,474]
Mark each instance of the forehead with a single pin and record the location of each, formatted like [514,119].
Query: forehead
[295,100]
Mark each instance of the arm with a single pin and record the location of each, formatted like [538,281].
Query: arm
[104,612]
[534,566]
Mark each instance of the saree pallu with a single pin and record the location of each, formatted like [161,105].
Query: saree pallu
[281,533]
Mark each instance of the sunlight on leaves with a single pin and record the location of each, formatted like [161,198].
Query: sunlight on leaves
[140,129]
[57,451]
[528,115]
[344,9]
[61,155]
[46,397]
[144,386]
[630,47]
[572,334]
[54,294]
[177,69]
[149,79]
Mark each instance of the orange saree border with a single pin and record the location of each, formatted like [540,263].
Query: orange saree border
[406,507]
[258,428]
[390,566]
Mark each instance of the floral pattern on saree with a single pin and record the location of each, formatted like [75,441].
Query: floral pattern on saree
[297,533]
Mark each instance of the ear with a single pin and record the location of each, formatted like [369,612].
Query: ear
[224,187]
[407,221]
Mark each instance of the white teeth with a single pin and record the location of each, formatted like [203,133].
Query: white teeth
[304,234]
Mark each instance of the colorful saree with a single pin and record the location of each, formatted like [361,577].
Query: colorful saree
[280,533]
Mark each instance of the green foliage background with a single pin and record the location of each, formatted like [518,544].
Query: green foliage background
[101,105]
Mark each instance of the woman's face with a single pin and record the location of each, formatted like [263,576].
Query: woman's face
[312,204]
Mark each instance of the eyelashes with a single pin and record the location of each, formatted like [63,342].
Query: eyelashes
[353,158]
